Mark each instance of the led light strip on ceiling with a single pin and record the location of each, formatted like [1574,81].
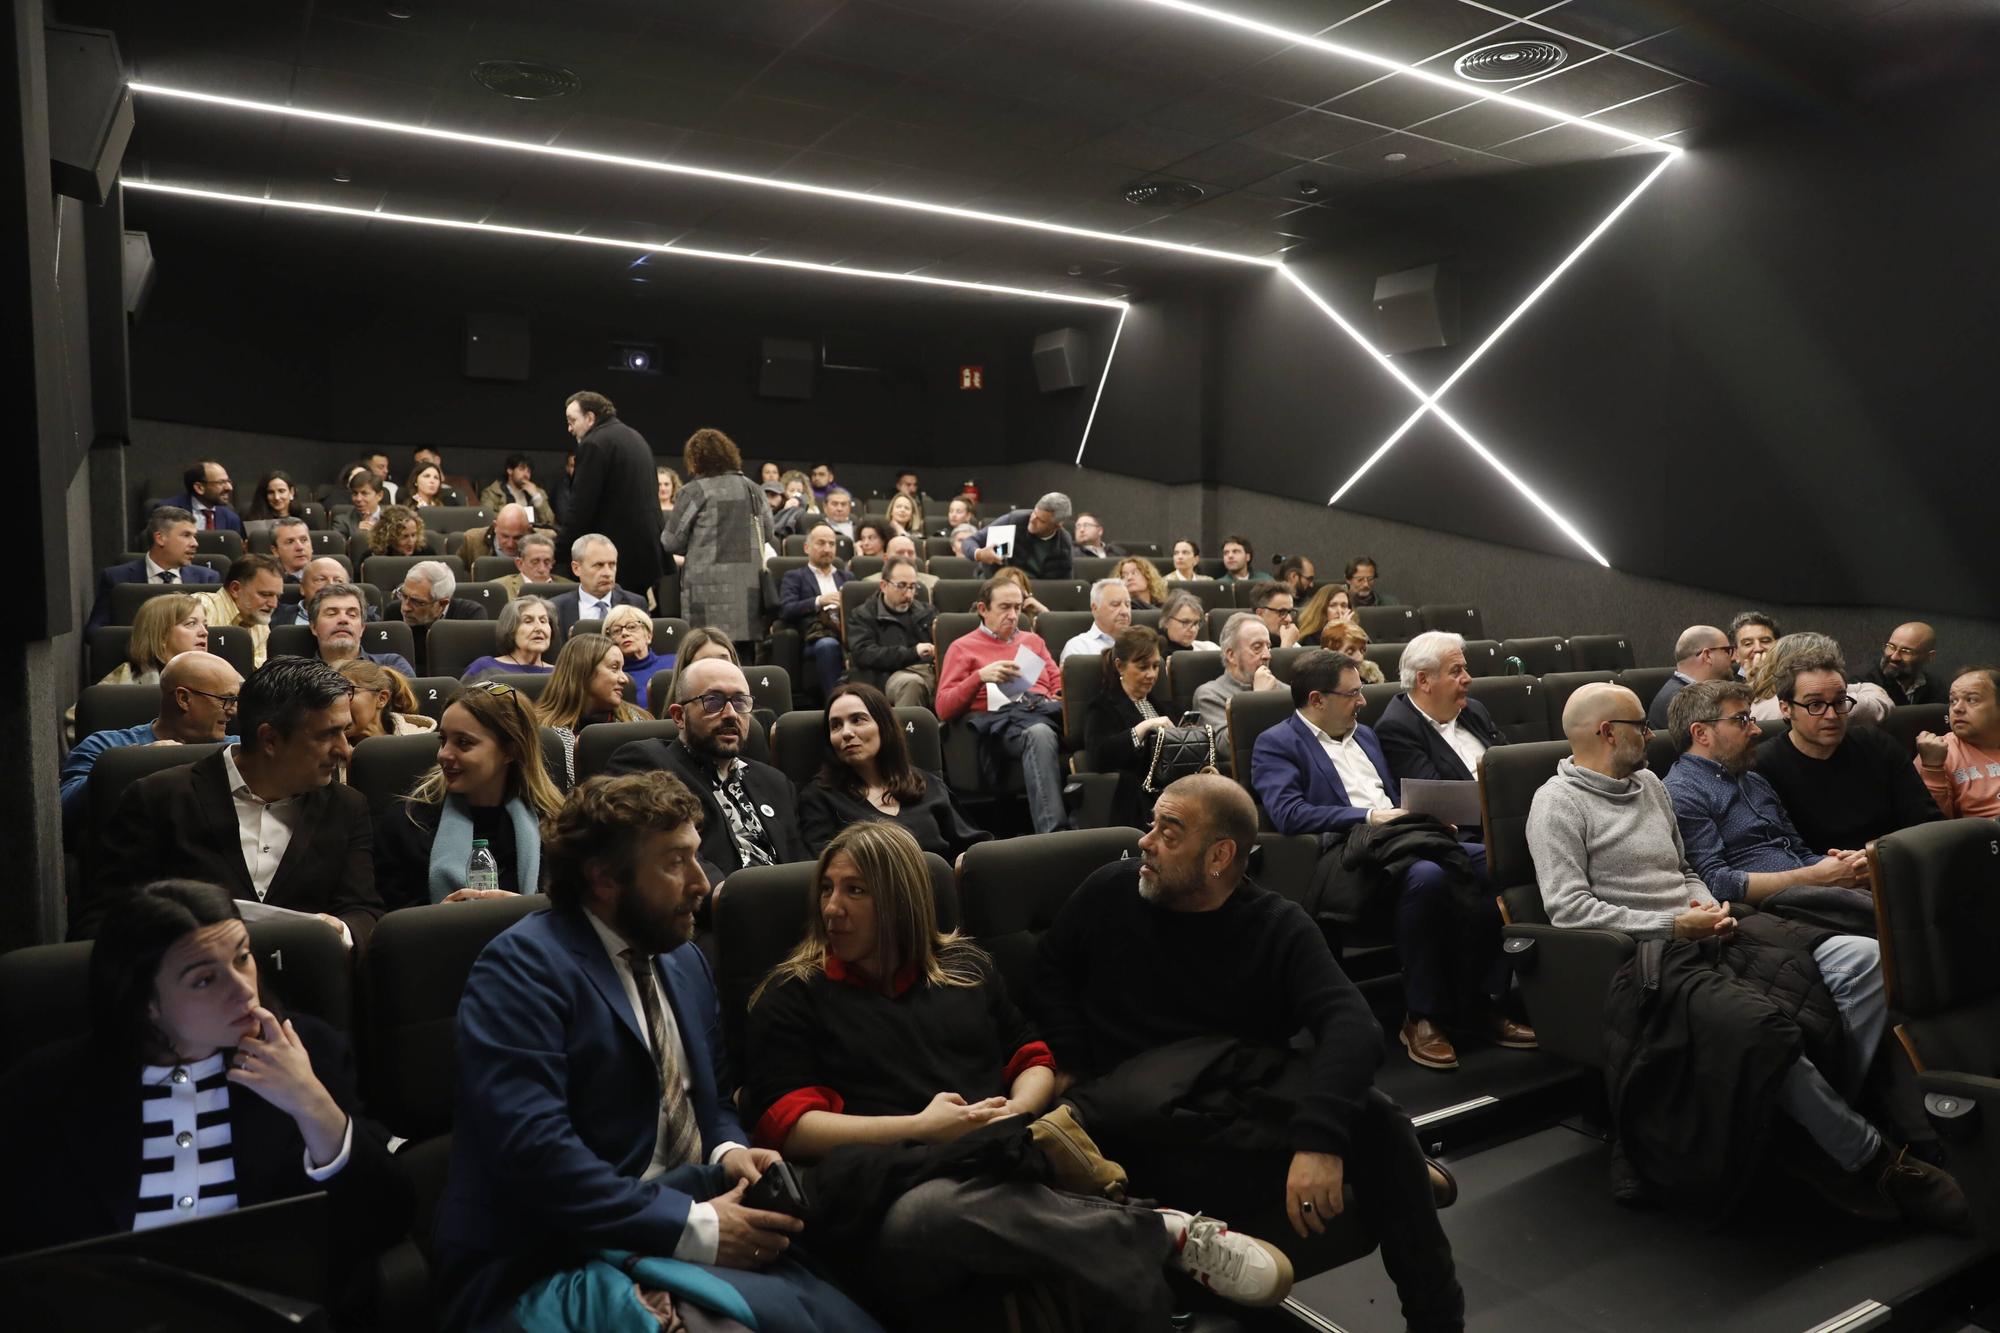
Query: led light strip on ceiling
[1428,403]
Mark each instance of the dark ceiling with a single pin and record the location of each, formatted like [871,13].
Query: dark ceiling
[1045,109]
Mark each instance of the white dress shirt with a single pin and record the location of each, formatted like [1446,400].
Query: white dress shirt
[1464,742]
[1357,771]
[703,1232]
[825,577]
[589,606]
[154,571]
[1092,640]
[264,827]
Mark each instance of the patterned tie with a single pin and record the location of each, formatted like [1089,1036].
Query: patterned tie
[167,576]
[683,1145]
[209,515]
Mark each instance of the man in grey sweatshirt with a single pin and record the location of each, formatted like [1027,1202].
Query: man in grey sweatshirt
[1608,854]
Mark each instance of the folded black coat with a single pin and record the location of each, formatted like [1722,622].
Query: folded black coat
[1698,1037]
[1359,872]
[1207,1092]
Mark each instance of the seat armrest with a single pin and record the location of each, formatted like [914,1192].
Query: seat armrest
[1966,1110]
[1564,975]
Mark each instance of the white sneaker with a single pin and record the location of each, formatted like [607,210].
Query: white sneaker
[1241,1268]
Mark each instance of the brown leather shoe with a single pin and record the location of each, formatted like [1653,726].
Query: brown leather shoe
[1504,1031]
[1427,1043]
[1919,1191]
[1444,1185]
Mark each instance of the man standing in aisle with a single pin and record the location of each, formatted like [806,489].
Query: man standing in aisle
[615,491]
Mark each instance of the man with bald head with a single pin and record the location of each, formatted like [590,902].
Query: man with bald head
[1905,670]
[749,810]
[1116,981]
[1608,854]
[1702,652]
[500,537]
[318,574]
[197,706]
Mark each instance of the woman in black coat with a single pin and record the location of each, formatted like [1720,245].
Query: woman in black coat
[867,774]
[118,1131]
[1119,725]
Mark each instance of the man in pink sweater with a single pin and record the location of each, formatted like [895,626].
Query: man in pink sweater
[1018,716]
[1962,770]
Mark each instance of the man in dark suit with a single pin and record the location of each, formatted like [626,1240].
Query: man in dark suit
[594,560]
[810,598]
[1321,772]
[749,811]
[425,597]
[274,792]
[1432,730]
[615,490]
[168,560]
[207,497]
[594,1090]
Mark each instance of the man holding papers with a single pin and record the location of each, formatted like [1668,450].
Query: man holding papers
[1031,540]
[1001,679]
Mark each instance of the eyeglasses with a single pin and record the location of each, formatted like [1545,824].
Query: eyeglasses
[1898,650]
[1185,622]
[715,701]
[1356,693]
[1282,613]
[1740,719]
[228,701]
[1715,648]
[903,585]
[1638,722]
[499,689]
[1817,707]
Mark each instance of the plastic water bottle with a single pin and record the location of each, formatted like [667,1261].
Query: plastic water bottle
[482,871]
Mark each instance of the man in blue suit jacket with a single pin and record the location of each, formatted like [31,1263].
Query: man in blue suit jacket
[594,1107]
[811,605]
[1320,771]
[168,557]
[208,494]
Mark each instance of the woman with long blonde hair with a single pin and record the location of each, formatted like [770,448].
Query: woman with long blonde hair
[880,1028]
[488,785]
[1143,582]
[587,686]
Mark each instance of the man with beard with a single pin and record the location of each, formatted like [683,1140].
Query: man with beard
[1112,990]
[249,597]
[1608,855]
[1904,670]
[593,1110]
[336,616]
[749,811]
[1738,836]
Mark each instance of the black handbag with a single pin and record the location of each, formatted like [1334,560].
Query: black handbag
[1185,748]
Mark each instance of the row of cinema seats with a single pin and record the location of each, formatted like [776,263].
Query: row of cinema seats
[398,998]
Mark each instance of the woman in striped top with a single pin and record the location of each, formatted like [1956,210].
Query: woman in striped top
[189,1097]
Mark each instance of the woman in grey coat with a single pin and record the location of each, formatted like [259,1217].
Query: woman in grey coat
[720,521]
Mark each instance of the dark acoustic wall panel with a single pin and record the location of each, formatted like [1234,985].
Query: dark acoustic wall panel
[785,368]
[90,112]
[1417,308]
[496,347]
[138,271]
[1062,360]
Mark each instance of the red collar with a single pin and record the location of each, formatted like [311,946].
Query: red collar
[906,976]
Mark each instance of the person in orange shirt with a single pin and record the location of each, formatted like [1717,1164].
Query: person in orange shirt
[1962,770]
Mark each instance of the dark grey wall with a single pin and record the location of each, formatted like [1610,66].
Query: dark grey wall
[1768,376]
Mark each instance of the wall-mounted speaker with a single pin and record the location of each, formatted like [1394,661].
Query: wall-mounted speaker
[1062,360]
[138,272]
[90,112]
[785,368]
[1417,308]
[496,347]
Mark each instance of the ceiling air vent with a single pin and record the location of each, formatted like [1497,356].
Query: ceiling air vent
[526,80]
[1508,62]
[1163,194]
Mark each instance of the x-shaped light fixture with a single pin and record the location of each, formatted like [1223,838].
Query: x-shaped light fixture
[1427,403]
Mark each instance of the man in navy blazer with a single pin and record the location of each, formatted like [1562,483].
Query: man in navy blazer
[810,597]
[168,560]
[1433,730]
[207,497]
[593,1109]
[594,561]
[1320,771]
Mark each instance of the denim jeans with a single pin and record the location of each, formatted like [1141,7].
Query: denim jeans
[1851,967]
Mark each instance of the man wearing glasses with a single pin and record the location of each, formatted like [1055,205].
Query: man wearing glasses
[1608,855]
[197,707]
[1702,652]
[1843,785]
[1739,837]
[889,640]
[1276,605]
[1904,670]
[749,811]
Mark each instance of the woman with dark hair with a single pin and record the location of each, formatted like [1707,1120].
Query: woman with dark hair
[489,784]
[1119,725]
[274,498]
[882,1029]
[364,493]
[721,524]
[190,1096]
[1187,556]
[867,774]
[425,487]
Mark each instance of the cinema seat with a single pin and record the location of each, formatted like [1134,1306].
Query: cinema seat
[596,744]
[127,598]
[386,571]
[955,595]
[377,636]
[1187,672]
[1393,624]
[1516,705]
[1599,652]
[1563,973]
[434,694]
[1250,716]
[1645,682]
[1937,910]
[770,686]
[1482,658]
[385,768]
[1455,617]
[798,742]
[1213,594]
[1559,686]
[1904,723]
[115,707]
[451,646]
[1538,657]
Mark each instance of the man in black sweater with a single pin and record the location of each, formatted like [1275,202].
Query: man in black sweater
[1180,944]
[1842,786]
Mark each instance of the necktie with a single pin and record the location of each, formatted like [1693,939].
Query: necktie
[168,576]
[208,517]
[683,1135]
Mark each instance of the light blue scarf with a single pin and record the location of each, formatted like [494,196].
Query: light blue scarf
[452,847]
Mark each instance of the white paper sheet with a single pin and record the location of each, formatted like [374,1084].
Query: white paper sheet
[1000,539]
